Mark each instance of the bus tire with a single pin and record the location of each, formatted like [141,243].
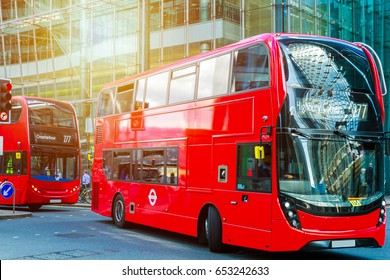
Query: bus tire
[214,230]
[34,207]
[202,224]
[118,213]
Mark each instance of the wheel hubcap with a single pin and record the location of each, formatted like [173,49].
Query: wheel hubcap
[119,211]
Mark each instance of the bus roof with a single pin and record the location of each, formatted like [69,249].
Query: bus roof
[261,38]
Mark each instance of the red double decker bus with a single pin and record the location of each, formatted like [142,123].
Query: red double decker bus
[274,143]
[41,152]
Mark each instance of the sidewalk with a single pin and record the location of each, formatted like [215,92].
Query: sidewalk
[9,214]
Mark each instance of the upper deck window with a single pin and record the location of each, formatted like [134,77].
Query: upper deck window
[124,98]
[16,111]
[214,76]
[50,114]
[250,68]
[247,68]
[329,85]
[139,99]
[106,102]
[156,90]
[328,65]
[182,86]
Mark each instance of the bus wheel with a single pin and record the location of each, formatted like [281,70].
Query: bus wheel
[213,226]
[118,214]
[34,207]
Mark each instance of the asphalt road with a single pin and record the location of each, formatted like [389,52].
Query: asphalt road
[76,233]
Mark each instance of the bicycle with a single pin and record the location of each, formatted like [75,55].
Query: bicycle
[85,194]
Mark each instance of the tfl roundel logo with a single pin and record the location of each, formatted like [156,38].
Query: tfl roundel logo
[152,197]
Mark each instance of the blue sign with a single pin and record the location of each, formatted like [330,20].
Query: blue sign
[7,189]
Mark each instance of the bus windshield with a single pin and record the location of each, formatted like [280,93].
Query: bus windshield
[53,165]
[329,170]
[330,144]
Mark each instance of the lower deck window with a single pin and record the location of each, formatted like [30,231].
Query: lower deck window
[154,165]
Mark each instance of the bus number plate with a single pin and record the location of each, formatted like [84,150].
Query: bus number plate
[343,243]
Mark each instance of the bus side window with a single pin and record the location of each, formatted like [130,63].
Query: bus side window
[106,106]
[121,165]
[172,155]
[16,111]
[124,99]
[250,69]
[107,163]
[182,85]
[136,165]
[213,76]
[139,98]
[156,90]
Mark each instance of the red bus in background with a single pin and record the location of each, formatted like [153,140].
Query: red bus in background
[41,152]
[274,143]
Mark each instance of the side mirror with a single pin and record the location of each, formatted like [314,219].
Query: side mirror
[259,152]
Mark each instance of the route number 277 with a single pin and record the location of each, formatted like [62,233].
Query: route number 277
[67,138]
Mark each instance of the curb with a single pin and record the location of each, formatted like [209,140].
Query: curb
[8,214]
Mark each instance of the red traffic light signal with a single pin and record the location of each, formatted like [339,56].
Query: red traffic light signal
[6,96]
[6,86]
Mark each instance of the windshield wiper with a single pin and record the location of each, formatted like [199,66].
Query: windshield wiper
[343,135]
[300,133]
[360,136]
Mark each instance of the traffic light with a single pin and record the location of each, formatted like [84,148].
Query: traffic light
[6,95]
[5,102]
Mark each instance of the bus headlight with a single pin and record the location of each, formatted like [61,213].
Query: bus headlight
[382,213]
[35,189]
[290,212]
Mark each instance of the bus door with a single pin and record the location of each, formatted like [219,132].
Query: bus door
[248,220]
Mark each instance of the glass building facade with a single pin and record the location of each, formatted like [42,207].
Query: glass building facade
[67,49]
